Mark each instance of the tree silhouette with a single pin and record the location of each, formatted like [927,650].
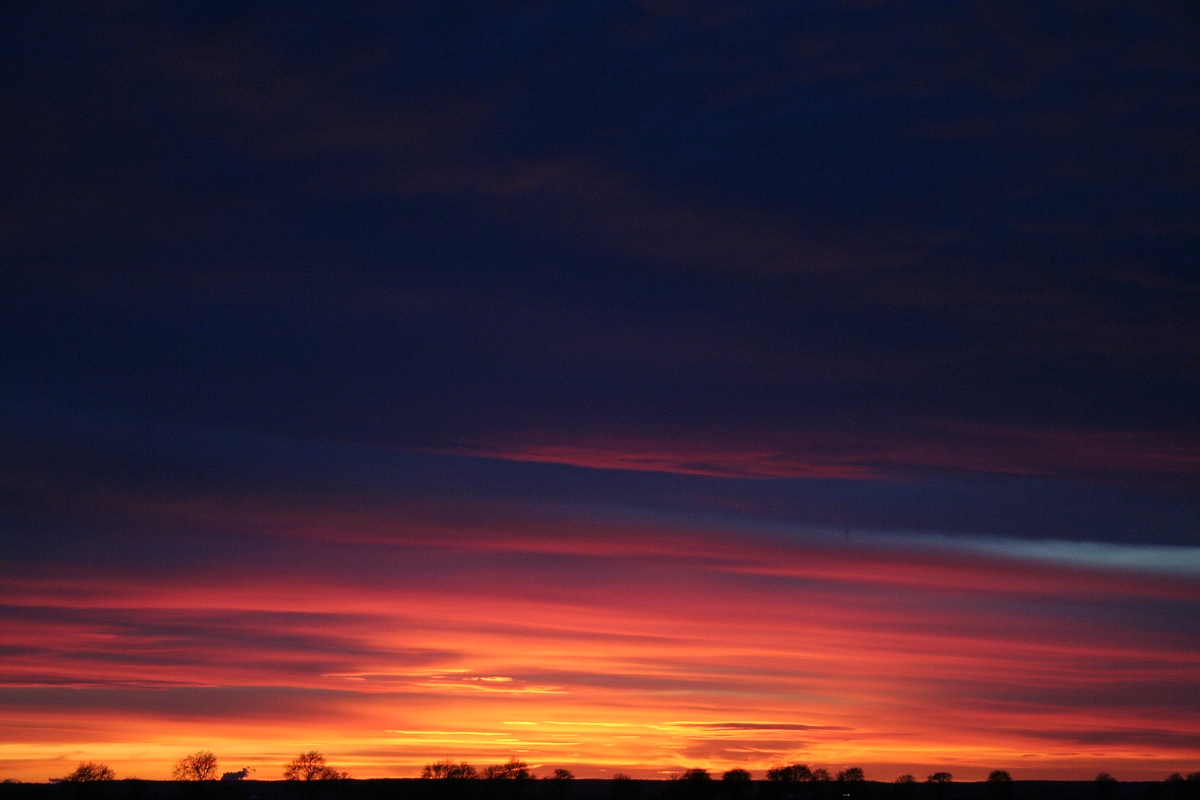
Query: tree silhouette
[560,783]
[449,770]
[691,784]
[89,771]
[940,782]
[905,785]
[1177,787]
[1106,785]
[1000,782]
[792,773]
[1184,786]
[850,780]
[199,766]
[736,783]
[311,766]
[821,775]
[511,770]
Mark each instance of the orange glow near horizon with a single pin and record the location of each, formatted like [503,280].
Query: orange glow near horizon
[644,653]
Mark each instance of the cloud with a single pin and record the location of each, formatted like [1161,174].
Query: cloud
[537,380]
[1148,558]
[755,726]
[830,452]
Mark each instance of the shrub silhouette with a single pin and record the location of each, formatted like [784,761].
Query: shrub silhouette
[695,774]
[199,766]
[311,766]
[561,774]
[89,771]
[736,775]
[940,778]
[449,770]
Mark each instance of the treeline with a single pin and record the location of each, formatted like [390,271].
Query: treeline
[786,780]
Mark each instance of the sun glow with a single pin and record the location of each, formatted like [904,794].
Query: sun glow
[741,655]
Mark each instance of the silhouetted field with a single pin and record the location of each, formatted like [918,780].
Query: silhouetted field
[582,789]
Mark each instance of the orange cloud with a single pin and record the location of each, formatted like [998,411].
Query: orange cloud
[642,655]
[874,454]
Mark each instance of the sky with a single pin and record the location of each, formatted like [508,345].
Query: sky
[621,387]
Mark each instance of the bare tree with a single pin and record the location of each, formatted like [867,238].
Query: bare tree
[510,770]
[199,766]
[88,771]
[851,775]
[311,766]
[561,774]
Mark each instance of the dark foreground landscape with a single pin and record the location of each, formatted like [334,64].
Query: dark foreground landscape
[418,789]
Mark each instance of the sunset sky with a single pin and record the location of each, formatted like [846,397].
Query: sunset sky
[623,387]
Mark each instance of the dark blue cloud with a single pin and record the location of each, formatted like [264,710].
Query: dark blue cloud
[909,238]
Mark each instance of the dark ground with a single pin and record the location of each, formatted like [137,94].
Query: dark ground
[415,789]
